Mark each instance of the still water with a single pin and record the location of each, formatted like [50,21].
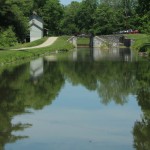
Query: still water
[81,100]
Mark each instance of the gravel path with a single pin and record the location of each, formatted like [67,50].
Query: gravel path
[48,42]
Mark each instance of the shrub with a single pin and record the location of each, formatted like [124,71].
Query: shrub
[7,38]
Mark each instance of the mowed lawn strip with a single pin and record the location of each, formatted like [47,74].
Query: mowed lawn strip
[8,56]
[140,40]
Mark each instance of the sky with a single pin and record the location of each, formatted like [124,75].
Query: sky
[66,2]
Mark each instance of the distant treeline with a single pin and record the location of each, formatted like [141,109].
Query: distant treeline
[97,16]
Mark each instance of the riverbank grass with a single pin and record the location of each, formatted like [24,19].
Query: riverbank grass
[141,41]
[8,56]
[30,44]
[83,41]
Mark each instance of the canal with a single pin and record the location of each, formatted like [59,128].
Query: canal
[86,99]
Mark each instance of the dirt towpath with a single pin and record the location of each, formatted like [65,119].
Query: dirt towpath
[48,42]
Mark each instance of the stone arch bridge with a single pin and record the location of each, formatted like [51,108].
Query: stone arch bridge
[109,40]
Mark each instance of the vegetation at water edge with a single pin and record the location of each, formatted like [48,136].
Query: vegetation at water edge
[140,41]
[9,56]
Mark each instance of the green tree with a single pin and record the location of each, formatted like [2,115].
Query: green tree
[105,20]
[26,6]
[69,22]
[38,4]
[143,16]
[85,18]
[52,13]
[7,38]
[143,6]
[13,14]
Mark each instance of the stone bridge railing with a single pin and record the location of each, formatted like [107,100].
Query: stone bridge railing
[109,40]
[94,42]
[116,40]
[113,40]
[98,41]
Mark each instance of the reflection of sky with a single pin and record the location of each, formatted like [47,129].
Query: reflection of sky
[78,121]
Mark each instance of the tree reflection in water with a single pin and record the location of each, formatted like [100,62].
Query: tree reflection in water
[6,129]
[10,106]
[18,93]
[113,81]
[141,130]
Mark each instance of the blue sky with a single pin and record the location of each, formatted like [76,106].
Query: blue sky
[66,2]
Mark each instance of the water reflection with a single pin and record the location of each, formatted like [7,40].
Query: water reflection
[36,68]
[113,54]
[113,81]
[18,93]
[98,54]
[141,130]
[10,106]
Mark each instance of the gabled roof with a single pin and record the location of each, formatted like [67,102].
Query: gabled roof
[33,24]
[34,16]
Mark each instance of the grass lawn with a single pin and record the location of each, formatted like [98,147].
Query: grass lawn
[136,36]
[140,40]
[8,56]
[84,41]
[30,44]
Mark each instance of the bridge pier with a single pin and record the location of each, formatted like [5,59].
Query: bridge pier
[73,40]
[91,41]
[95,41]
[98,42]
[109,40]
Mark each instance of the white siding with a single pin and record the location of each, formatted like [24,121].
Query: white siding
[36,29]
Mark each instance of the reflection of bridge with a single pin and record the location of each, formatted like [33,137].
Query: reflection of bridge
[97,54]
[112,43]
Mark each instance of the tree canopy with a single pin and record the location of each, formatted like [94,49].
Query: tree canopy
[100,17]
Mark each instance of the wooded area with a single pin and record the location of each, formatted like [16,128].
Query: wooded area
[97,16]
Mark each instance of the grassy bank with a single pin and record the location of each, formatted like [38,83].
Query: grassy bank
[8,56]
[140,40]
[30,44]
[83,41]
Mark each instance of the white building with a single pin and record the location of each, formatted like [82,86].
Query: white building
[36,27]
